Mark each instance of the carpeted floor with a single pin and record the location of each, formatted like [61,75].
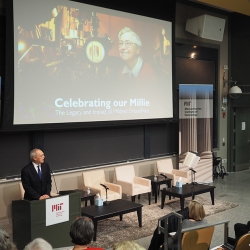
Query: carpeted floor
[113,230]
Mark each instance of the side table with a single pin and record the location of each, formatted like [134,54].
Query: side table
[84,195]
[156,184]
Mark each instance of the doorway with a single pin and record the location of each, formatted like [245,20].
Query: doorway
[241,155]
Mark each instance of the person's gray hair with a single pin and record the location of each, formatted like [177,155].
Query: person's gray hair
[38,244]
[33,153]
[5,242]
[134,36]
[82,231]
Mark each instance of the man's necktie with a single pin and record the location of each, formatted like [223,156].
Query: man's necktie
[39,172]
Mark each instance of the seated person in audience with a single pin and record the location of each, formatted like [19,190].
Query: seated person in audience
[192,216]
[196,218]
[81,233]
[158,239]
[125,245]
[5,242]
[38,244]
[239,230]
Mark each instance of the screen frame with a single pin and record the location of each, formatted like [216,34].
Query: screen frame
[8,98]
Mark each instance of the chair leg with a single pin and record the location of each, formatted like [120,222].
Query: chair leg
[149,198]
[139,196]
[86,203]
[133,198]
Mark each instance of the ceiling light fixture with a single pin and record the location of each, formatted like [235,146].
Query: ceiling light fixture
[235,91]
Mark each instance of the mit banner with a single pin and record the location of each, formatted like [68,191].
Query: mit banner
[196,109]
[57,210]
[196,127]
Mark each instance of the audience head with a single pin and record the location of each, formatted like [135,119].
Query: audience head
[196,210]
[131,245]
[38,244]
[82,231]
[5,243]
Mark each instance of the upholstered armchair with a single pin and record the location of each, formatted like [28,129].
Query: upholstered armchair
[165,166]
[92,180]
[21,190]
[131,184]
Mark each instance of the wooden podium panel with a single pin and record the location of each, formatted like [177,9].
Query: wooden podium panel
[29,222]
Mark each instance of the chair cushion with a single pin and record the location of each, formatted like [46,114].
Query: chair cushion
[125,173]
[140,189]
[165,165]
[111,196]
[93,178]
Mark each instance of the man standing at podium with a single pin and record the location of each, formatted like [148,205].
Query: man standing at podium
[36,178]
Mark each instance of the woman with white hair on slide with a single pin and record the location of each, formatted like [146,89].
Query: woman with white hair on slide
[135,69]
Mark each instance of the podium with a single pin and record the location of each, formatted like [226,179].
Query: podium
[29,222]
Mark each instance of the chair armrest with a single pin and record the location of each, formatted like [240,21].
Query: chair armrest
[114,187]
[183,173]
[206,157]
[142,181]
[169,175]
[97,190]
[181,164]
[127,187]
[180,173]
[53,194]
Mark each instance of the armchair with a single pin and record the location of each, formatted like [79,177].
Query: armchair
[21,190]
[92,180]
[165,166]
[131,184]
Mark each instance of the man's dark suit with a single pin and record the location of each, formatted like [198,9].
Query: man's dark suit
[33,186]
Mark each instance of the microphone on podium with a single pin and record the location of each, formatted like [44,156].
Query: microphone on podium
[52,173]
[105,202]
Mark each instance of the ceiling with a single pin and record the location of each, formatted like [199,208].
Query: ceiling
[239,6]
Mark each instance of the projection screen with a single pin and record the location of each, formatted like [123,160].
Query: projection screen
[75,62]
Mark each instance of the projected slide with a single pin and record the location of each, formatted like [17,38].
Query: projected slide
[81,63]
